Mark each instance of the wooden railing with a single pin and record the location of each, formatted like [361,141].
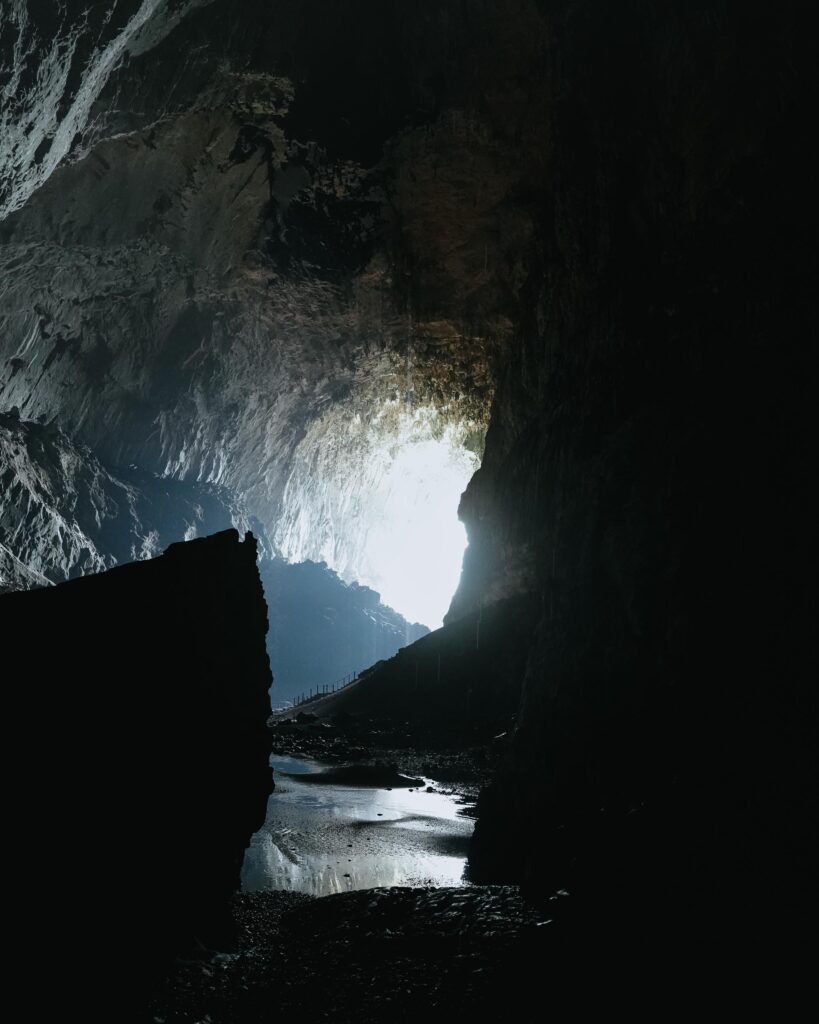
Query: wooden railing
[316,693]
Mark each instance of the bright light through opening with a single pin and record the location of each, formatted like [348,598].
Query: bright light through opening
[377,501]
[416,547]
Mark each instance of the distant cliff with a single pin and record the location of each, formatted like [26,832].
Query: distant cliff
[322,629]
[138,700]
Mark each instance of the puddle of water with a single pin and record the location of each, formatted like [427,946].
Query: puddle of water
[294,765]
[323,839]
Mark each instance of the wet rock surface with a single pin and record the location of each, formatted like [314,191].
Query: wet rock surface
[376,775]
[378,749]
[376,955]
[332,830]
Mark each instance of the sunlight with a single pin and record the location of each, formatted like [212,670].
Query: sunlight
[416,544]
[377,500]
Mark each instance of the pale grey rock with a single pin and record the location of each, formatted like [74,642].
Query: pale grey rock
[57,62]
[64,514]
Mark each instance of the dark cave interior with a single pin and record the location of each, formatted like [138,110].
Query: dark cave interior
[313,273]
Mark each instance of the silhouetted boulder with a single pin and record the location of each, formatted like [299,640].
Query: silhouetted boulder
[138,699]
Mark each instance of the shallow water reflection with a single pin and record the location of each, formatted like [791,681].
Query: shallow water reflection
[322,839]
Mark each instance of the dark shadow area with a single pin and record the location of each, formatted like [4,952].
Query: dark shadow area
[138,700]
[457,687]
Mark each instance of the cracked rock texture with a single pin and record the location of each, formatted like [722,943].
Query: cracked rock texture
[57,59]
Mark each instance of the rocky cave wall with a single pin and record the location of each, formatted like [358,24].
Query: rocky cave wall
[236,253]
[648,460]
[595,219]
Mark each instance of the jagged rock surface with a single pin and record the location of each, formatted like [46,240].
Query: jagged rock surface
[286,278]
[57,59]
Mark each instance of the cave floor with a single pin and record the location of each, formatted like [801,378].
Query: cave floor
[372,955]
[375,953]
[460,763]
[331,830]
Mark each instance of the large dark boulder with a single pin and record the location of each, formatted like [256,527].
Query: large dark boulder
[136,701]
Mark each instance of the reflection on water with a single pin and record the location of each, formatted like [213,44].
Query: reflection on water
[294,765]
[324,839]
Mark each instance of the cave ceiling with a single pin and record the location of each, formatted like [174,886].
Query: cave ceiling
[268,226]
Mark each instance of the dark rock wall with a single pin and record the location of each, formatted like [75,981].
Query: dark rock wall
[647,461]
[139,702]
[323,629]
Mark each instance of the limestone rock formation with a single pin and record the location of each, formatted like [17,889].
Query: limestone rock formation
[220,281]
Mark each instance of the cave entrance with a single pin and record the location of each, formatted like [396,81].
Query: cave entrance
[374,494]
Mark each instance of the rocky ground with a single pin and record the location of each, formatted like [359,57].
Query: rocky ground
[374,955]
[372,740]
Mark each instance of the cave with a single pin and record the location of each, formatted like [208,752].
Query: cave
[407,405]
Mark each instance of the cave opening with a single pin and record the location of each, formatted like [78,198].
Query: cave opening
[343,279]
[375,496]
